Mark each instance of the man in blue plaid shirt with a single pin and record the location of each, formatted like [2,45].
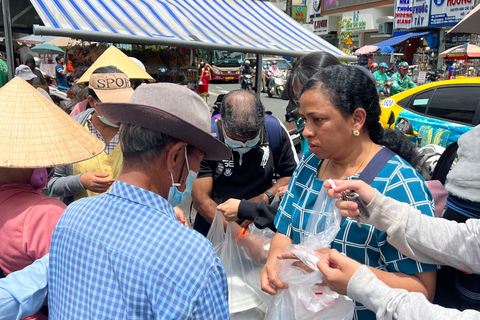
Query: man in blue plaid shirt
[123,255]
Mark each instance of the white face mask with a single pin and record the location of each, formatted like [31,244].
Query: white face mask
[176,197]
[239,146]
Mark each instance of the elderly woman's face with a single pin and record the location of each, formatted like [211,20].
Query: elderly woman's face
[328,133]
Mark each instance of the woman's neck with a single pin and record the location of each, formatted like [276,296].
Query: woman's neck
[347,166]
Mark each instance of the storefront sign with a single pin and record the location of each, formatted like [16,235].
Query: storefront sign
[356,23]
[299,13]
[321,25]
[335,4]
[449,12]
[420,13]
[456,38]
[422,75]
[403,14]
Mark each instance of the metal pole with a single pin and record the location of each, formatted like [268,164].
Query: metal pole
[258,75]
[7,27]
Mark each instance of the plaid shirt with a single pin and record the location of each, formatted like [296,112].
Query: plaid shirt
[123,255]
[367,244]
[111,145]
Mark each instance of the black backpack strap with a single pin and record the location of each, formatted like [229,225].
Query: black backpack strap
[373,168]
[445,163]
[376,164]
[274,133]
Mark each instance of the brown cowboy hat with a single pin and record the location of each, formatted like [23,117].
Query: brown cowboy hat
[173,110]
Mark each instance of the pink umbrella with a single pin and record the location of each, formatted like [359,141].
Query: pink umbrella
[366,50]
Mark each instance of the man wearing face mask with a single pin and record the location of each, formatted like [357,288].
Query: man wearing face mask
[123,254]
[249,173]
[95,176]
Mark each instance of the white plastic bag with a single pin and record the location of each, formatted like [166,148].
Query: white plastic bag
[242,256]
[305,298]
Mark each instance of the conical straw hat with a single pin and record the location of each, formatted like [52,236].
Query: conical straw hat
[35,133]
[114,57]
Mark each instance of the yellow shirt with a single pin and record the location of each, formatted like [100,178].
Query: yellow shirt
[110,164]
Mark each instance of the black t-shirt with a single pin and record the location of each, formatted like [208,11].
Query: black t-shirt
[253,177]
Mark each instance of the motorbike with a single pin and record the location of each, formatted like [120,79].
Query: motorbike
[432,76]
[278,85]
[247,82]
[386,85]
[295,126]
[58,95]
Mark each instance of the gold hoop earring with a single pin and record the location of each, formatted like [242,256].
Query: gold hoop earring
[356,133]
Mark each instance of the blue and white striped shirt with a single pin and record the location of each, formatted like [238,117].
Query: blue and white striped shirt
[123,255]
[368,245]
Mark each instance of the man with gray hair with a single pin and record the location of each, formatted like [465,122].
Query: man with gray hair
[123,255]
[255,162]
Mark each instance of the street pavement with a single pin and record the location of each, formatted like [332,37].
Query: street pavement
[276,105]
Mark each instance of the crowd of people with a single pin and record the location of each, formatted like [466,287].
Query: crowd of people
[110,242]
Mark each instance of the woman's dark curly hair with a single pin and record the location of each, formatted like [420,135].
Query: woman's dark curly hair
[349,88]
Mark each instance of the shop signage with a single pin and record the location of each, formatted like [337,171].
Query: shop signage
[422,75]
[456,38]
[420,13]
[299,13]
[363,19]
[336,4]
[449,12]
[403,14]
[356,23]
[321,25]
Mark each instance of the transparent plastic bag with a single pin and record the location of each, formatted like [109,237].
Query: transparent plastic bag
[242,256]
[305,298]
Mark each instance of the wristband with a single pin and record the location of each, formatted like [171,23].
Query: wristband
[241,234]
[270,197]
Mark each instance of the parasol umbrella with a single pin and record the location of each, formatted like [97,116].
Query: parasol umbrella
[469,24]
[463,52]
[387,49]
[366,50]
[47,49]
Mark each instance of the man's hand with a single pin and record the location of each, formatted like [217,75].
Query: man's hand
[350,208]
[282,191]
[96,182]
[229,209]
[337,270]
[180,216]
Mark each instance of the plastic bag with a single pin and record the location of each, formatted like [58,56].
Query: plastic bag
[242,256]
[305,298]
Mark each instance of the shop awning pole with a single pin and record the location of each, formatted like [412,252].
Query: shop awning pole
[7,29]
[123,38]
[258,75]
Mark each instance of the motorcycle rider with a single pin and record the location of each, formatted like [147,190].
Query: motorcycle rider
[273,70]
[373,67]
[244,70]
[381,78]
[400,80]
[268,76]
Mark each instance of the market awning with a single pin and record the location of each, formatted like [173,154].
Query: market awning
[398,39]
[233,25]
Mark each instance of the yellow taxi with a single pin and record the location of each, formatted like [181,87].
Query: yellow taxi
[434,113]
